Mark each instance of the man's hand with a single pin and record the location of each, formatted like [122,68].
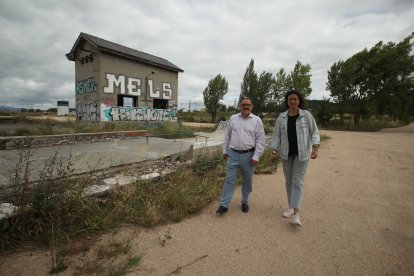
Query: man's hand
[253,162]
[314,153]
[225,156]
[273,157]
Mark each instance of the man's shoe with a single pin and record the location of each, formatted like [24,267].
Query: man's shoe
[221,210]
[245,207]
[296,220]
[288,213]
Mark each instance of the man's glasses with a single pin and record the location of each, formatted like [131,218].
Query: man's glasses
[246,105]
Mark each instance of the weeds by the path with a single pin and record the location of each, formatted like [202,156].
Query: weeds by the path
[54,210]
[57,200]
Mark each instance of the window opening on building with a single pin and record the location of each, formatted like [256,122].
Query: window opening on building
[160,104]
[127,101]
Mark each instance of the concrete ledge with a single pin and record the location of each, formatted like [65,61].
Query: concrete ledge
[7,210]
[18,142]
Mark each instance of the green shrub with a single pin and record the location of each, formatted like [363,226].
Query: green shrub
[21,132]
[171,130]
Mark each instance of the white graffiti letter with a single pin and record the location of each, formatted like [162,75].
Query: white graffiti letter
[133,87]
[120,82]
[166,91]
[150,88]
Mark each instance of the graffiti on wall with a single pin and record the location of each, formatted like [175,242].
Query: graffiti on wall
[118,113]
[132,86]
[88,112]
[108,101]
[86,86]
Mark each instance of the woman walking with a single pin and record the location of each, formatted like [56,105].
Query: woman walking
[295,139]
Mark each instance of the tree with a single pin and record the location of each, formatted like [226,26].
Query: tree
[249,84]
[232,109]
[263,93]
[300,79]
[222,107]
[379,80]
[391,79]
[214,93]
[337,85]
[281,85]
[323,113]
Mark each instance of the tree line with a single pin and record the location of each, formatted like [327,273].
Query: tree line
[377,81]
[265,90]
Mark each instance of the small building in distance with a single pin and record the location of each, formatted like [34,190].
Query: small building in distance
[62,108]
[117,83]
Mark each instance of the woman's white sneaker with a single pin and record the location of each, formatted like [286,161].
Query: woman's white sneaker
[296,220]
[288,213]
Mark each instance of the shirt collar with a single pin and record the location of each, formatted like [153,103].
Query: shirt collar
[250,115]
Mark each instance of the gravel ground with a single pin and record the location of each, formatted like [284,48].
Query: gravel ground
[357,215]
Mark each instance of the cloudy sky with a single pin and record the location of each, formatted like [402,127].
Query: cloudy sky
[204,38]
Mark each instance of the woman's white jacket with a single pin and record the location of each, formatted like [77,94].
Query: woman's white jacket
[306,131]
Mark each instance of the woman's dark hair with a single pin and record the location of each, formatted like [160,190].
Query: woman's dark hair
[297,93]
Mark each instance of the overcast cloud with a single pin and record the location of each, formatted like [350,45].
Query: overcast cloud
[204,38]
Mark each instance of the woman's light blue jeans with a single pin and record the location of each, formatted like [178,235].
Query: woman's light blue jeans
[237,161]
[294,171]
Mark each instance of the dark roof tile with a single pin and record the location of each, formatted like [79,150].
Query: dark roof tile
[114,48]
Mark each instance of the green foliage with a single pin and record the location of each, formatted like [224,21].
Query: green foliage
[258,89]
[4,132]
[324,113]
[214,93]
[368,124]
[267,92]
[280,86]
[204,117]
[21,132]
[249,84]
[54,202]
[171,130]
[264,87]
[300,79]
[376,81]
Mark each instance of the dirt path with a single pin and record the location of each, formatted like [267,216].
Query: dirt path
[358,216]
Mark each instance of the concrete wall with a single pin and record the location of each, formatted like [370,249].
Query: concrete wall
[18,142]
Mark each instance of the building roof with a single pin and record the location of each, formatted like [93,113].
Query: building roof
[119,50]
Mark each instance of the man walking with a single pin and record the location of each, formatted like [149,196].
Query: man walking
[244,143]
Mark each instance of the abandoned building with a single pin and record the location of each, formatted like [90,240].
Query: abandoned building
[117,83]
[62,108]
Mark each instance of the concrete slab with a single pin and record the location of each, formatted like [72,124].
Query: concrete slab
[92,156]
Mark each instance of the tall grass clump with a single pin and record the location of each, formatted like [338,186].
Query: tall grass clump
[171,130]
[265,165]
[22,131]
[174,196]
[54,202]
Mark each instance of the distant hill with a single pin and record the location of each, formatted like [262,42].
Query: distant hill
[5,107]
